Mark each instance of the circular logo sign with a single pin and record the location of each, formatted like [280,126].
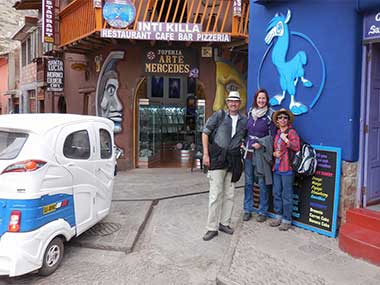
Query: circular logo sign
[119,13]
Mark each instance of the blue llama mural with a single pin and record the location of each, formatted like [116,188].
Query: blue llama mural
[290,71]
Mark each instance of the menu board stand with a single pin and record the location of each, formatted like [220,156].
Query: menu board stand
[316,197]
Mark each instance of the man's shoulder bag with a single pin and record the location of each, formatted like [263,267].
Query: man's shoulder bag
[220,121]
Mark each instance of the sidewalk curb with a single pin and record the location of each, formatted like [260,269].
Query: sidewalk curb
[127,246]
[142,226]
[222,274]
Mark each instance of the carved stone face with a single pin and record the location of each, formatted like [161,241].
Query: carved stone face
[110,105]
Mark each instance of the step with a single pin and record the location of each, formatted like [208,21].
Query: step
[360,242]
[365,218]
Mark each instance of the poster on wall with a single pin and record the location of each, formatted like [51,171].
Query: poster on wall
[54,75]
[174,88]
[157,87]
[48,17]
[316,197]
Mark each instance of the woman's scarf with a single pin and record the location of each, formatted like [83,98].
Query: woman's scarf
[258,112]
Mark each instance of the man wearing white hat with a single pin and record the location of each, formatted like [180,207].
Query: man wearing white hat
[222,136]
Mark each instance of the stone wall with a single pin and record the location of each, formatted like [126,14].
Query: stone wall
[10,21]
[348,189]
[29,73]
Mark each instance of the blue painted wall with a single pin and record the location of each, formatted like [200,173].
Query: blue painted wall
[336,30]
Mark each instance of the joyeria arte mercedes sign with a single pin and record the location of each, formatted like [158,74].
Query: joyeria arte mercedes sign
[166,32]
[165,61]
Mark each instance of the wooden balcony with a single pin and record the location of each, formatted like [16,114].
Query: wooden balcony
[77,21]
[81,23]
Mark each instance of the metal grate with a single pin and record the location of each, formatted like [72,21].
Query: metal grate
[103,229]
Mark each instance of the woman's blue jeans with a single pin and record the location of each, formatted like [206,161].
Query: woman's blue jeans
[283,196]
[248,190]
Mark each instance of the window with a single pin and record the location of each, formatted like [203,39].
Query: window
[11,144]
[105,144]
[62,105]
[86,101]
[32,101]
[29,47]
[77,145]
[23,53]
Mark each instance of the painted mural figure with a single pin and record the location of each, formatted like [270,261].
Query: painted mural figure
[290,71]
[228,78]
[110,105]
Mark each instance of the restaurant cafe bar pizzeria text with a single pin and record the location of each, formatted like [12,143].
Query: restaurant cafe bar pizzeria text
[166,32]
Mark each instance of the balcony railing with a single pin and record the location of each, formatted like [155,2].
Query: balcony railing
[80,19]
[77,20]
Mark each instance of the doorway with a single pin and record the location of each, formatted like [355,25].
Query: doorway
[62,105]
[370,164]
[168,122]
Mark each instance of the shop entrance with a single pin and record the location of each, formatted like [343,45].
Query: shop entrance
[170,120]
[371,146]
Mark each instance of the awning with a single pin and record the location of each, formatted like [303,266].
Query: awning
[28,4]
[22,33]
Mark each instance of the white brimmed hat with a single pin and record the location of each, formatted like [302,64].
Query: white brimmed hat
[233,96]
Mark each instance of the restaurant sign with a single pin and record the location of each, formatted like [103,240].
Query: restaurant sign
[48,19]
[169,62]
[372,26]
[166,32]
[237,8]
[54,75]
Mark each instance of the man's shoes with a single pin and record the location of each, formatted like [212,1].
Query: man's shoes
[210,235]
[284,226]
[275,223]
[226,229]
[261,218]
[247,217]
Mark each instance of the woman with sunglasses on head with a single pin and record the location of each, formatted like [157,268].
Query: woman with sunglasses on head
[283,175]
[258,155]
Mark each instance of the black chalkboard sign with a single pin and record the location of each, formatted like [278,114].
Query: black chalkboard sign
[316,198]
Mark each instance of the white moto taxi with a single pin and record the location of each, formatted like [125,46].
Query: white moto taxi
[56,181]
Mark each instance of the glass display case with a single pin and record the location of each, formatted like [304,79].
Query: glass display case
[164,129]
[172,119]
[200,122]
[201,109]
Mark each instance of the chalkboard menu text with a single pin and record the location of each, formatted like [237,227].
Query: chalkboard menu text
[316,197]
